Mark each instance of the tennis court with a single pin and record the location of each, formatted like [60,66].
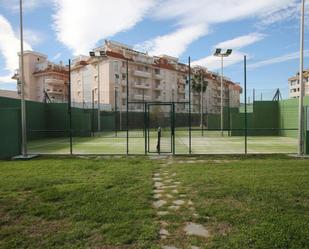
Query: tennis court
[208,142]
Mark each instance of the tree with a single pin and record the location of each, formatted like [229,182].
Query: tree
[199,85]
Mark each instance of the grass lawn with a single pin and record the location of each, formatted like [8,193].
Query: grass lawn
[76,203]
[250,203]
[254,202]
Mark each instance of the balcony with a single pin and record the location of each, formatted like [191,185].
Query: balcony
[54,82]
[142,74]
[181,81]
[141,86]
[141,97]
[181,91]
[158,87]
[158,76]
[55,92]
[158,98]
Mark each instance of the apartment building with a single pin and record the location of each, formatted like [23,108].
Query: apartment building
[44,81]
[9,94]
[294,86]
[151,78]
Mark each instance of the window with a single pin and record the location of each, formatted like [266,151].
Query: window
[116,66]
[124,76]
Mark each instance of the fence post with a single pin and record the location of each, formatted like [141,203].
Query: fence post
[190,128]
[245,81]
[70,110]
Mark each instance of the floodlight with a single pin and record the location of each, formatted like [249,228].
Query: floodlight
[228,52]
[217,52]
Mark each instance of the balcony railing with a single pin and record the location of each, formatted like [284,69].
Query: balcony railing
[142,86]
[142,97]
[54,81]
[141,74]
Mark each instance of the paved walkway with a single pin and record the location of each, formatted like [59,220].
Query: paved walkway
[176,212]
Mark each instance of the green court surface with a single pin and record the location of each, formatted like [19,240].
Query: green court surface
[210,142]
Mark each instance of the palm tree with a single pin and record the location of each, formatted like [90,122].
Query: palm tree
[199,85]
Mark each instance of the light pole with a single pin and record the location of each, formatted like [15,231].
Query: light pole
[98,55]
[301,82]
[22,81]
[219,53]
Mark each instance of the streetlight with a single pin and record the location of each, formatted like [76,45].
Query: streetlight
[301,82]
[98,55]
[219,53]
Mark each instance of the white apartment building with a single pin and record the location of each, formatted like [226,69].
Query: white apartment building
[151,78]
[294,86]
[44,81]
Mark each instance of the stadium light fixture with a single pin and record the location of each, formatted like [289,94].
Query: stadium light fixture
[219,53]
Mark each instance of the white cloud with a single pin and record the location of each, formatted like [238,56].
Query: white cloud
[80,24]
[191,15]
[9,47]
[289,12]
[241,41]
[210,11]
[213,63]
[56,56]
[279,59]
[173,44]
[33,37]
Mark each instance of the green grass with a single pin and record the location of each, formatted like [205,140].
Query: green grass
[250,203]
[76,203]
[210,143]
[257,202]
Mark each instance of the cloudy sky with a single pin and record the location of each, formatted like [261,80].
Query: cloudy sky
[267,31]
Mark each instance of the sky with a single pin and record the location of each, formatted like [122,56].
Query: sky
[267,31]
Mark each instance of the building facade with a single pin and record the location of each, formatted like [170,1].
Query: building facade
[44,81]
[294,86]
[151,78]
[9,94]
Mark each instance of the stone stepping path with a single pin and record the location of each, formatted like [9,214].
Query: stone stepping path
[170,199]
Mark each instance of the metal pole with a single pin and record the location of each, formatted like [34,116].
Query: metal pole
[245,81]
[99,98]
[190,151]
[301,82]
[229,112]
[116,107]
[127,71]
[221,95]
[92,125]
[70,111]
[22,81]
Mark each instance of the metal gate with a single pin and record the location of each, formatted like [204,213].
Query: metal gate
[159,129]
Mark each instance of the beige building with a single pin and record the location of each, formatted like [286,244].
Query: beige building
[9,94]
[151,78]
[44,81]
[294,87]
